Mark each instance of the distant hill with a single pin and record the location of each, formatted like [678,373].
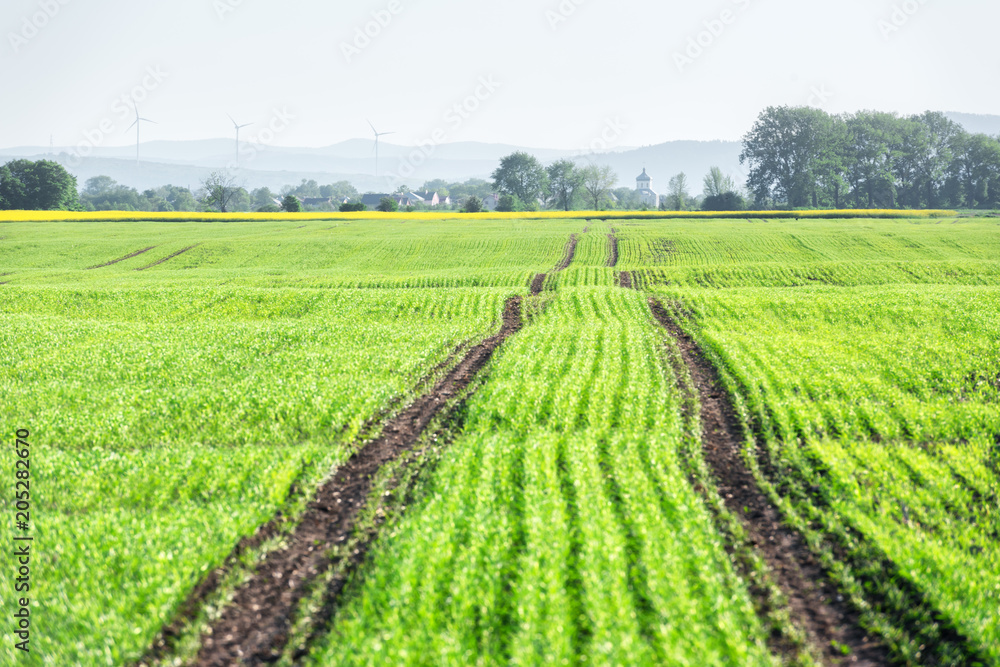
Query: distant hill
[976,123]
[188,163]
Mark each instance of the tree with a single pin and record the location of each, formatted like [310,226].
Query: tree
[727,201]
[338,191]
[473,204]
[262,198]
[677,192]
[597,182]
[37,186]
[387,205]
[220,189]
[291,204]
[717,183]
[564,181]
[782,150]
[521,175]
[352,207]
[508,204]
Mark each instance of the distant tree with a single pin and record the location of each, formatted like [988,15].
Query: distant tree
[241,200]
[782,150]
[521,175]
[387,205]
[727,201]
[564,181]
[103,193]
[180,199]
[262,197]
[473,204]
[269,208]
[437,185]
[220,188]
[338,191]
[508,204]
[291,204]
[352,207]
[677,192]
[597,183]
[718,183]
[37,186]
[626,199]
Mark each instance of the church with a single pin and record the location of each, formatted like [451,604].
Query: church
[645,192]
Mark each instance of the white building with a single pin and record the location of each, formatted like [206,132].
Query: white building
[645,192]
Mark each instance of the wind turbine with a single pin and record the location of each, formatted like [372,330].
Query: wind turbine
[136,124]
[377,135]
[238,128]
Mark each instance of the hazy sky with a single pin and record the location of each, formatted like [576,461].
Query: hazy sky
[544,73]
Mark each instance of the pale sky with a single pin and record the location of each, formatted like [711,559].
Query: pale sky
[542,73]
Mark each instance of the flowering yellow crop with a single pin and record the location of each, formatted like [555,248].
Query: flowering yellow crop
[125,216]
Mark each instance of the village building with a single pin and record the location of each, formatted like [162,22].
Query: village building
[644,190]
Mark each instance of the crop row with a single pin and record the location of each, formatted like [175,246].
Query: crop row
[559,526]
[878,410]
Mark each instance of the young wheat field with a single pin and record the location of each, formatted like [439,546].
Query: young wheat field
[418,441]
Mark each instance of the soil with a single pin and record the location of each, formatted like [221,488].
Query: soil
[537,284]
[254,628]
[169,257]
[120,259]
[816,604]
[569,253]
[625,279]
[612,249]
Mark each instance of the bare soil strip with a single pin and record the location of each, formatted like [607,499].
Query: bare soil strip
[537,284]
[612,249]
[169,257]
[120,259]
[816,605]
[254,628]
[569,253]
[625,279]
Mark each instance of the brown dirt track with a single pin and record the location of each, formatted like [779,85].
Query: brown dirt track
[121,259]
[568,253]
[612,249]
[254,628]
[816,604]
[169,257]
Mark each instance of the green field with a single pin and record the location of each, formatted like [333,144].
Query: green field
[565,515]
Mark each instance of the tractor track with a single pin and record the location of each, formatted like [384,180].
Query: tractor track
[169,257]
[816,605]
[254,628]
[612,249]
[120,259]
[568,253]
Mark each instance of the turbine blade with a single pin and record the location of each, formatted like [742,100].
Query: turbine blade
[373,128]
[134,123]
[231,118]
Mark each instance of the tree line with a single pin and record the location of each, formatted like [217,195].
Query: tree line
[804,157]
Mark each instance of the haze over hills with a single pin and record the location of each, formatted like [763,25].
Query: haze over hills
[188,163]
